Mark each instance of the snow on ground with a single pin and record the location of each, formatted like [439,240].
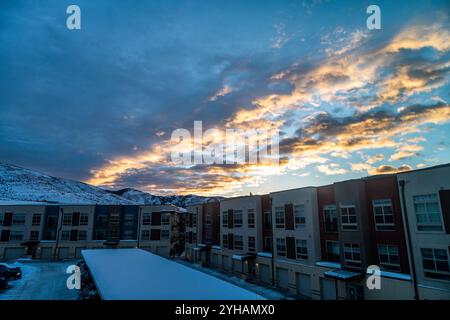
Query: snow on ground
[135,274]
[266,292]
[40,281]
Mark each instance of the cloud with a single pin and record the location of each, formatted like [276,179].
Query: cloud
[331,169]
[383,169]
[222,92]
[406,151]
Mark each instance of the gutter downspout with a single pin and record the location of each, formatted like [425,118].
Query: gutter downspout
[273,245]
[139,227]
[58,231]
[408,238]
[197,221]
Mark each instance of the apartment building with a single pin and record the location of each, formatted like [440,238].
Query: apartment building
[297,247]
[19,227]
[425,200]
[360,226]
[241,233]
[203,233]
[62,231]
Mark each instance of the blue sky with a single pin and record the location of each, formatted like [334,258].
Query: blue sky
[99,104]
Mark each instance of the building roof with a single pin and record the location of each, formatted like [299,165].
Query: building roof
[135,274]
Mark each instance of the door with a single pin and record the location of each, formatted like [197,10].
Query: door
[215,260]
[327,289]
[355,292]
[264,273]
[46,253]
[63,253]
[237,266]
[226,263]
[282,278]
[14,253]
[303,283]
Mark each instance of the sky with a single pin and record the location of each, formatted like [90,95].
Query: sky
[100,104]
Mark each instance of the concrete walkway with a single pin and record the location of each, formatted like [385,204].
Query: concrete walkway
[266,292]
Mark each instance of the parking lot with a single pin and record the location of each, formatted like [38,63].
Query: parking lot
[40,281]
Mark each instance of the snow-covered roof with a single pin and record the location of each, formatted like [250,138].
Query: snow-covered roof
[395,275]
[241,257]
[342,274]
[264,254]
[135,274]
[328,264]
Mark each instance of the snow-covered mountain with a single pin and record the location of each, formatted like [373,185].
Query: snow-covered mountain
[141,197]
[20,185]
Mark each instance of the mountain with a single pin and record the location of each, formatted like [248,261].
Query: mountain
[20,186]
[141,197]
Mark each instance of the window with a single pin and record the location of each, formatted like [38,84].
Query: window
[427,212]
[383,213]
[225,240]
[1,219]
[237,222]
[113,234]
[146,219]
[352,254]
[165,219]
[67,219]
[100,235]
[145,235]
[194,219]
[279,217]
[435,263]
[36,221]
[51,221]
[330,219]
[333,251]
[82,235]
[16,235]
[102,220]
[84,219]
[208,219]
[251,218]
[238,242]
[65,235]
[194,236]
[281,247]
[268,220]
[299,214]
[268,244]
[165,234]
[129,220]
[225,219]
[128,235]
[34,235]
[251,244]
[114,219]
[348,218]
[301,246]
[389,257]
[18,219]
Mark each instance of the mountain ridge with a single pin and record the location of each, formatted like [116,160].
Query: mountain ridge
[21,185]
